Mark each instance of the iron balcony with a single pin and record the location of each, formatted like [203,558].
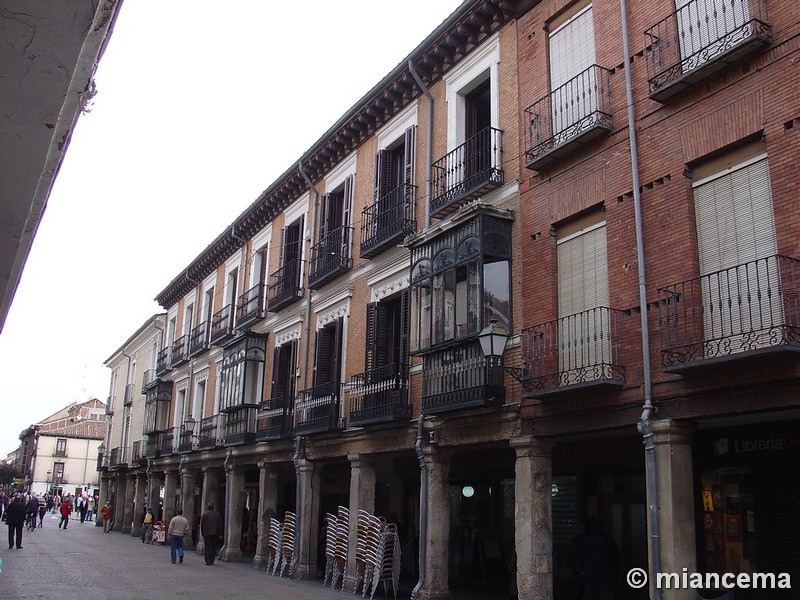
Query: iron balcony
[379,396]
[330,257]
[250,308]
[317,410]
[222,325]
[388,221]
[284,286]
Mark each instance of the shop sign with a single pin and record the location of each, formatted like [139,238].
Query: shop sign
[773,443]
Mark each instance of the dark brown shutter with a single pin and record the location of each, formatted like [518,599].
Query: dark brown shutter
[382,323]
[369,353]
[336,361]
[347,204]
[324,212]
[278,392]
[282,259]
[383,174]
[405,327]
[324,351]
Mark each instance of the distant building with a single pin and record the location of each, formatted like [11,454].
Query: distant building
[60,452]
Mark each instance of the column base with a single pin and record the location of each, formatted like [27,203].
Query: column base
[301,572]
[126,529]
[427,594]
[136,532]
[232,555]
[260,562]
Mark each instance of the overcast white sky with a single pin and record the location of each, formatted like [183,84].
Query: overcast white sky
[201,105]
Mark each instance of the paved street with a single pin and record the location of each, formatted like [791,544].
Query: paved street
[82,562]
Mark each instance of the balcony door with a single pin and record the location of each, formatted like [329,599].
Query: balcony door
[572,82]
[583,329]
[740,280]
[706,26]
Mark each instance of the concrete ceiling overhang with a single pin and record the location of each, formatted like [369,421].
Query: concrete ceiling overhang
[49,50]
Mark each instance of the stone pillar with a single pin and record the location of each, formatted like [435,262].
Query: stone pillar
[187,499]
[234,485]
[533,523]
[675,501]
[120,492]
[154,494]
[130,495]
[138,504]
[437,538]
[170,483]
[102,499]
[307,511]
[362,497]
[209,494]
[267,507]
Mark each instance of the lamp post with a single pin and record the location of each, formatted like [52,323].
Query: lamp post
[493,340]
[48,481]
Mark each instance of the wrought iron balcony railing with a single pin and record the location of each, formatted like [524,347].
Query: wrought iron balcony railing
[317,410]
[274,421]
[386,222]
[111,403]
[331,257]
[460,378]
[467,172]
[152,447]
[379,396]
[240,426]
[198,342]
[180,351]
[568,118]
[222,325]
[573,352]
[164,361]
[210,432]
[250,308]
[127,399]
[188,438]
[284,286]
[738,313]
[166,441]
[118,458]
[700,39]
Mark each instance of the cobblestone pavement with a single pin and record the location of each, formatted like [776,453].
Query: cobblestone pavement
[83,562]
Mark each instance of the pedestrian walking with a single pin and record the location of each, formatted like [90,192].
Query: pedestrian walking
[178,528]
[211,529]
[66,511]
[106,512]
[42,511]
[90,508]
[15,519]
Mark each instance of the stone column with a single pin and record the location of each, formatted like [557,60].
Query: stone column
[130,496]
[533,523]
[102,499]
[138,504]
[362,497]
[675,501]
[187,499]
[267,507]
[234,485]
[155,482]
[120,492]
[170,483]
[437,538]
[209,493]
[307,511]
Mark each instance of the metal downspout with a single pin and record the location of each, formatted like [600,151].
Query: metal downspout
[423,467]
[428,143]
[299,449]
[647,407]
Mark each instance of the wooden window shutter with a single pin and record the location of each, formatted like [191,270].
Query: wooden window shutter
[279,378]
[383,174]
[336,352]
[369,351]
[409,155]
[405,328]
[346,207]
[324,211]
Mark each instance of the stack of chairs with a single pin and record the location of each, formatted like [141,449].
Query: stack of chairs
[362,527]
[341,545]
[387,570]
[372,551]
[330,547]
[274,545]
[287,542]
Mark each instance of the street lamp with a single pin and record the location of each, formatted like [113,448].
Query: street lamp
[493,340]
[48,480]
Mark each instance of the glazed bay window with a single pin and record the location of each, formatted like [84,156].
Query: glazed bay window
[460,281]
[274,416]
[242,386]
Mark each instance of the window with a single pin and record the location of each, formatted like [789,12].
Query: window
[58,471]
[740,274]
[704,24]
[243,372]
[284,366]
[327,358]
[394,181]
[572,79]
[332,254]
[583,295]
[61,447]
[387,323]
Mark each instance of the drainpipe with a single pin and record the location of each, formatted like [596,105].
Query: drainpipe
[423,508]
[428,143]
[647,407]
[236,237]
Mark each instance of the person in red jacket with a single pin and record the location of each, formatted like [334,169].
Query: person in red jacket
[66,511]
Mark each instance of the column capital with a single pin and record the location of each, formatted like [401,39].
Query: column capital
[530,445]
[669,431]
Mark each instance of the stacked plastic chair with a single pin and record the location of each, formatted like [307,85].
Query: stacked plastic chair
[362,527]
[341,545]
[330,547]
[372,552]
[274,545]
[287,542]
[387,570]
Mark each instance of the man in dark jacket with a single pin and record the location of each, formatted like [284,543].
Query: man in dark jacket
[15,519]
[211,528]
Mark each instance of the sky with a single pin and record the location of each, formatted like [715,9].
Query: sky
[198,111]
